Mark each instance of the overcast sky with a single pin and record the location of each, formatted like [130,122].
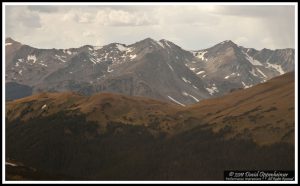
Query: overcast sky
[191,26]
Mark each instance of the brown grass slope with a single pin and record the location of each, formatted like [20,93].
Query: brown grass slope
[264,112]
[116,137]
[101,108]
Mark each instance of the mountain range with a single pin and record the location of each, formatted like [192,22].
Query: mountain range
[147,111]
[155,69]
[107,136]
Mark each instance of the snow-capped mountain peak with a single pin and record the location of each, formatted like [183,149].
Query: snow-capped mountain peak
[157,69]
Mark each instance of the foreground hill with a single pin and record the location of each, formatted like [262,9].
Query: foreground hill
[116,137]
[265,112]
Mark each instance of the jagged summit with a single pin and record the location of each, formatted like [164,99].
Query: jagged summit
[10,41]
[228,43]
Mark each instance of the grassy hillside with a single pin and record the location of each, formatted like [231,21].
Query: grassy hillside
[116,137]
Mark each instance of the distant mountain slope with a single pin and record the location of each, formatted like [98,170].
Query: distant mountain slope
[155,69]
[117,137]
[229,66]
[15,91]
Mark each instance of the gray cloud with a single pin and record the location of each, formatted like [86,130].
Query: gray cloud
[256,11]
[192,27]
[17,16]
[45,9]
[110,16]
[31,21]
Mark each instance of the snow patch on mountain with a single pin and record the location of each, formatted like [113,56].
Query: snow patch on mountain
[246,86]
[170,67]
[166,42]
[44,106]
[160,44]
[200,55]
[42,64]
[67,51]
[278,68]
[109,70]
[31,58]
[132,56]
[195,87]
[130,49]
[192,69]
[185,80]
[121,48]
[176,101]
[261,72]
[232,75]
[212,90]
[60,58]
[186,94]
[253,72]
[200,72]
[93,60]
[251,60]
